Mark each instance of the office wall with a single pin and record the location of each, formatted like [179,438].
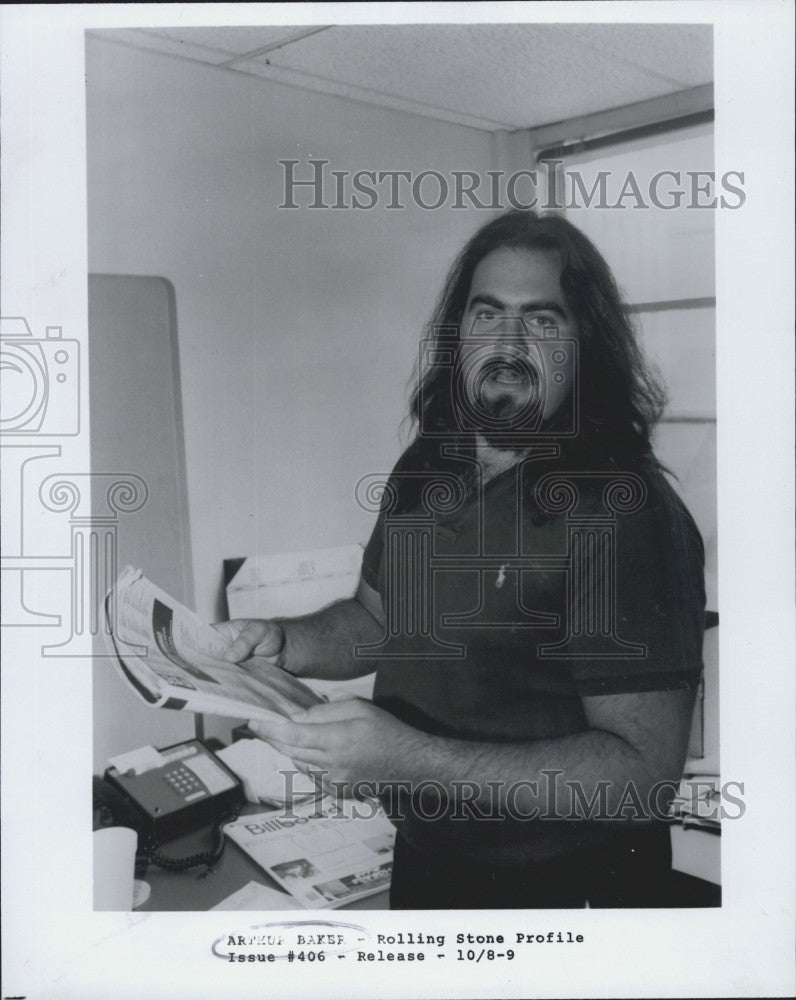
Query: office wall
[297,330]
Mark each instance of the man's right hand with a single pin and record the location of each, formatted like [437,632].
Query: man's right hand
[320,646]
[250,637]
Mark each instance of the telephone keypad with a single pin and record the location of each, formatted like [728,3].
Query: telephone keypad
[183,781]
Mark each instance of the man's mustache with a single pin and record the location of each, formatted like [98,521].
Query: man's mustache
[484,400]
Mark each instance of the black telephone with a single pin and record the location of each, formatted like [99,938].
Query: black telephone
[192,787]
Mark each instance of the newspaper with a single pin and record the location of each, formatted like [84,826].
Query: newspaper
[324,855]
[172,659]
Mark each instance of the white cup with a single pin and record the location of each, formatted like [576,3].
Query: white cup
[114,867]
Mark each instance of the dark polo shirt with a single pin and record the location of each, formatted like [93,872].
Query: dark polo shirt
[542,587]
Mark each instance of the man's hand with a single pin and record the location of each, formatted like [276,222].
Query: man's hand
[250,637]
[321,645]
[352,740]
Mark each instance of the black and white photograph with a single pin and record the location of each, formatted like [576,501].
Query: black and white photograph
[397,454]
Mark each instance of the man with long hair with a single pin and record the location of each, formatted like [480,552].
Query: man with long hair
[531,600]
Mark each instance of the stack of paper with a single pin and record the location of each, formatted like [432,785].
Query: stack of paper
[698,802]
[267,774]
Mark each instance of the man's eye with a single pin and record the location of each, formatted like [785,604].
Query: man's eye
[485,314]
[541,320]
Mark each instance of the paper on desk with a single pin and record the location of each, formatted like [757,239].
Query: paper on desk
[260,767]
[254,896]
[325,855]
[138,761]
[698,801]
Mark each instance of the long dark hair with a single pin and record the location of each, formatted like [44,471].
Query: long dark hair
[621,397]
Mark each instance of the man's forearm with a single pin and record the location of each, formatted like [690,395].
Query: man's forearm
[610,768]
[592,772]
[322,645]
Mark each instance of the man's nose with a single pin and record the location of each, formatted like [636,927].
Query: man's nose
[510,331]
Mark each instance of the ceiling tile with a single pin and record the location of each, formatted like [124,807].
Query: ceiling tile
[217,46]
[490,76]
[681,53]
[512,75]
[231,40]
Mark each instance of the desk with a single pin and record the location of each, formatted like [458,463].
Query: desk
[197,890]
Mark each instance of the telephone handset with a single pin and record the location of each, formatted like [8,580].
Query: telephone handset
[190,788]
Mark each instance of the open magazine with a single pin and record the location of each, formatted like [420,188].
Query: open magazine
[320,854]
[172,659]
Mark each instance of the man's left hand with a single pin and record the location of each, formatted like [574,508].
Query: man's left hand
[351,740]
